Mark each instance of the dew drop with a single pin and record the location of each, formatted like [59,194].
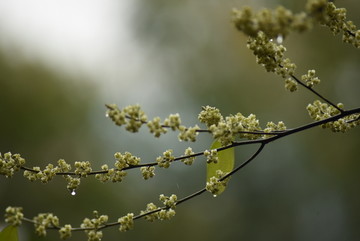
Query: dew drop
[279,39]
[214,195]
[107,115]
[73,192]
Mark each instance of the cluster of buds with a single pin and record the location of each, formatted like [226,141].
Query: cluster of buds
[43,221]
[125,160]
[83,168]
[10,163]
[91,226]
[189,159]
[320,111]
[211,156]
[310,79]
[65,232]
[147,172]
[210,116]
[156,127]
[49,172]
[214,185]
[273,23]
[165,160]
[14,215]
[117,174]
[72,183]
[126,222]
[235,126]
[188,133]
[271,55]
[133,117]
[153,213]
[272,127]
[327,14]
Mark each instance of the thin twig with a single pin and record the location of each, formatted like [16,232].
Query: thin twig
[316,93]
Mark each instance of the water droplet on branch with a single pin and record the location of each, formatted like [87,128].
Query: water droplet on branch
[279,39]
[73,192]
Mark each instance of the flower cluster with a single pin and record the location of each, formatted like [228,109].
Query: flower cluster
[188,134]
[278,22]
[173,121]
[91,226]
[310,79]
[271,55]
[33,174]
[72,183]
[65,232]
[43,221]
[150,211]
[14,215]
[125,160]
[326,13]
[169,202]
[210,116]
[166,214]
[117,174]
[153,213]
[48,173]
[83,168]
[188,160]
[147,172]
[211,156]
[132,116]
[272,127]
[110,174]
[106,175]
[155,127]
[320,111]
[165,160]
[10,163]
[214,185]
[235,125]
[126,222]
[290,84]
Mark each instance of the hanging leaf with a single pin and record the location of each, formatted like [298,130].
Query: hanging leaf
[9,233]
[225,163]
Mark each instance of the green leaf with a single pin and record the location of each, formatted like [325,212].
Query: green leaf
[9,233]
[225,162]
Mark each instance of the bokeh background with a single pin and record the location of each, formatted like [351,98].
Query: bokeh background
[61,61]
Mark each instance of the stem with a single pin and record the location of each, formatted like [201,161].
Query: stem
[316,93]
[242,165]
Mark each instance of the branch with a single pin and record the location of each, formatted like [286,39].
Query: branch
[315,92]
